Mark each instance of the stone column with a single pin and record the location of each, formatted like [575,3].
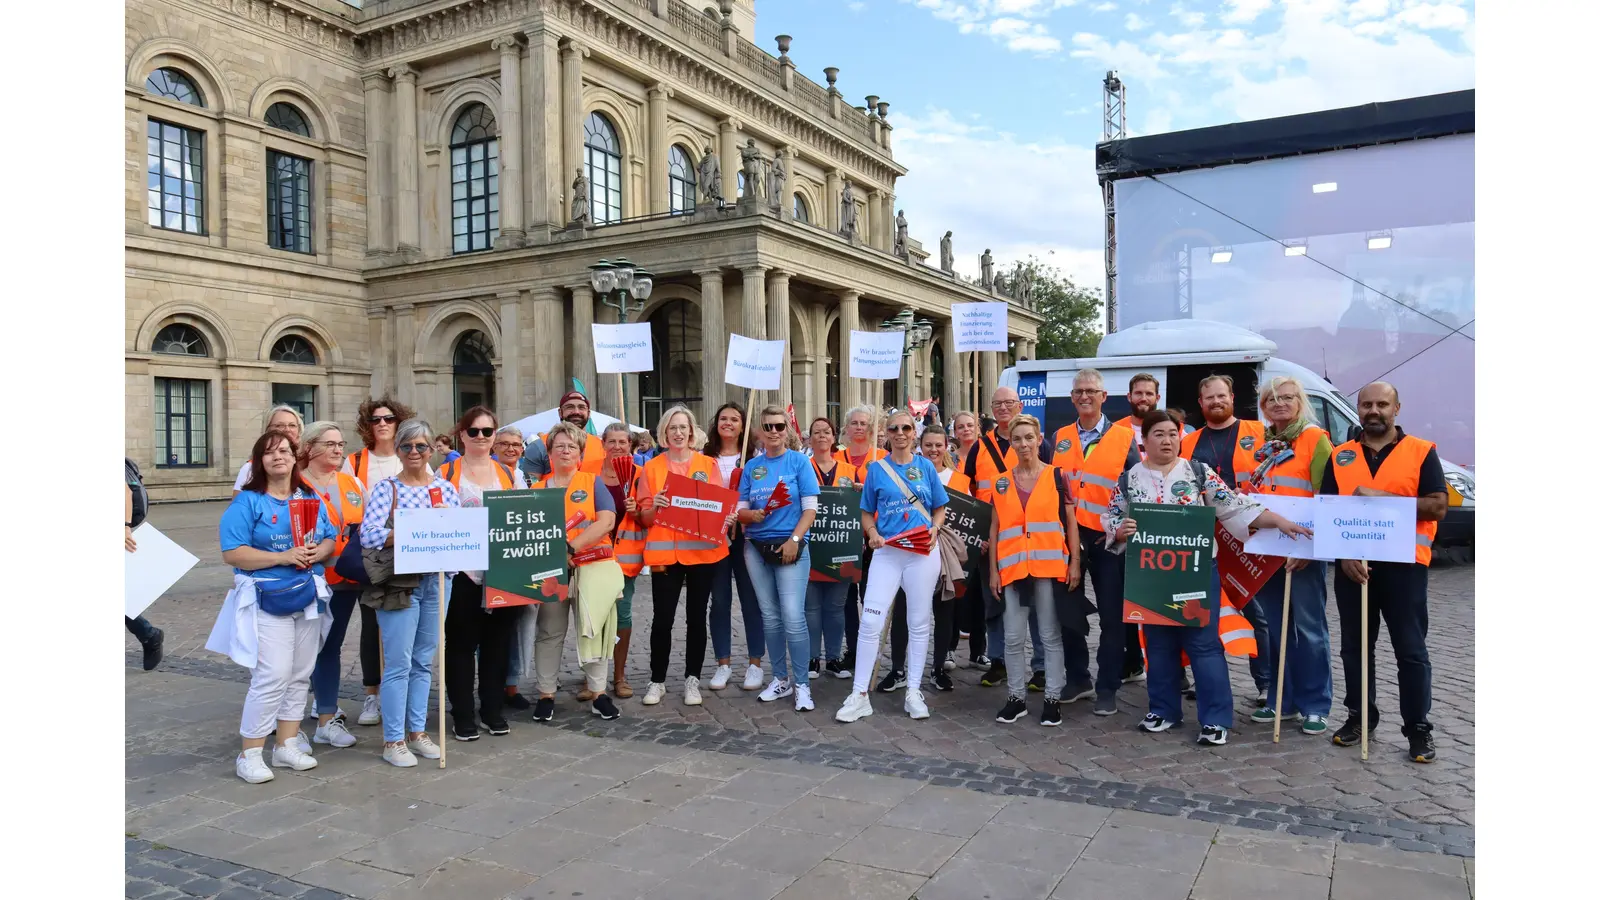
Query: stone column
[728,150]
[830,200]
[405,351]
[511,194]
[511,398]
[542,140]
[889,224]
[380,335]
[778,327]
[660,201]
[380,191]
[713,341]
[804,399]
[877,217]
[571,121]
[989,365]
[583,335]
[549,357]
[407,222]
[753,309]
[952,401]
[849,320]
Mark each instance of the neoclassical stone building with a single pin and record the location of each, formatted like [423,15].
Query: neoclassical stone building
[326,202]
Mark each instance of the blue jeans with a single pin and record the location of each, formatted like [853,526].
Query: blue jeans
[1105,570]
[410,640]
[825,617]
[1163,646]
[325,677]
[781,592]
[729,571]
[1266,649]
[1308,667]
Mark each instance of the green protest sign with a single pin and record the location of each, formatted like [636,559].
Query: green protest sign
[527,548]
[1168,574]
[835,536]
[969,519]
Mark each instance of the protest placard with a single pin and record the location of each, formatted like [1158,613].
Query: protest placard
[1272,542]
[876,354]
[697,508]
[1168,574]
[151,570]
[441,540]
[620,349]
[969,520]
[1242,573]
[527,548]
[980,326]
[753,364]
[1376,529]
[835,535]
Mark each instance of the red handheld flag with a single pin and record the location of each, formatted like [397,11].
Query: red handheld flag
[303,519]
[435,497]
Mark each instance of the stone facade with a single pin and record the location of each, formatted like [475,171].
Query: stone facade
[382,298]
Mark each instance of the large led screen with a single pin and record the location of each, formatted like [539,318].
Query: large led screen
[1357,263]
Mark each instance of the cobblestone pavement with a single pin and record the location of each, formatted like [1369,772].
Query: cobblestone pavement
[1301,773]
[656,810]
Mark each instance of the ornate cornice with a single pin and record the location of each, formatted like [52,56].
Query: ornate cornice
[297,20]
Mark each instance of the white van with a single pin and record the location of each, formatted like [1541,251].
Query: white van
[1180,353]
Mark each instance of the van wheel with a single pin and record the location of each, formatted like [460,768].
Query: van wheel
[1458,556]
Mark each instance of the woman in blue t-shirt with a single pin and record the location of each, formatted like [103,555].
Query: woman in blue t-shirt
[290,603]
[776,555]
[886,512]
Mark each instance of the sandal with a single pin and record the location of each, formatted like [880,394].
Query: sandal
[622,689]
[585,695]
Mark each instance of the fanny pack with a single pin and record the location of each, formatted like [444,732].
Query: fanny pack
[286,596]
[772,551]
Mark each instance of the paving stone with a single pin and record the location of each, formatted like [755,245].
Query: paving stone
[587,880]
[1353,880]
[711,881]
[384,816]
[1053,815]
[860,786]
[1380,856]
[958,813]
[1161,823]
[718,817]
[654,850]
[237,892]
[416,849]
[275,817]
[537,850]
[461,879]
[1308,856]
[1026,848]
[1093,879]
[777,850]
[663,790]
[180,813]
[620,764]
[295,851]
[839,879]
[496,817]
[458,789]
[765,787]
[1133,846]
[827,815]
[964,879]
[1227,880]
[899,849]
[563,788]
[351,879]
[606,816]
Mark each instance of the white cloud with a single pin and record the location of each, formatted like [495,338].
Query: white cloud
[1435,16]
[1135,22]
[1187,18]
[1023,37]
[1103,7]
[1243,12]
[1368,9]
[856,7]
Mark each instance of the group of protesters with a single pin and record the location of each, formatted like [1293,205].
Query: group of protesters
[1061,518]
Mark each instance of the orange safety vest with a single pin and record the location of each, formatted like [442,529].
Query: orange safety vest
[344,505]
[959,483]
[452,473]
[844,474]
[1292,477]
[873,456]
[358,464]
[1093,478]
[665,547]
[1399,474]
[629,539]
[594,453]
[580,499]
[1252,437]
[1032,542]
[987,470]
[1238,637]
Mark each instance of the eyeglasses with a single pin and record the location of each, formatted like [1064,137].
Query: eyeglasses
[901,429]
[1086,392]
[382,420]
[479,432]
[337,445]
[413,448]
[773,426]
[1004,404]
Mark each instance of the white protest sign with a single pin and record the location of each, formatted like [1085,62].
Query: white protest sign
[619,349]
[876,354]
[441,540]
[1272,542]
[151,570]
[980,326]
[1376,529]
[754,364]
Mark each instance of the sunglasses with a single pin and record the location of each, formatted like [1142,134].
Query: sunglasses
[773,426]
[414,448]
[901,429]
[382,420]
[479,432]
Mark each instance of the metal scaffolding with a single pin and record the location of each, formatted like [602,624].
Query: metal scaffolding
[1114,126]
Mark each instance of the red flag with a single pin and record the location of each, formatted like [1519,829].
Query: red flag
[303,519]
[778,499]
[435,497]
[794,422]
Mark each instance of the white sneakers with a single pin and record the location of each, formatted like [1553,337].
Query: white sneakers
[398,755]
[299,742]
[424,747]
[334,733]
[915,707]
[754,678]
[777,690]
[288,755]
[654,693]
[691,691]
[371,713]
[251,767]
[856,706]
[719,678]
[802,698]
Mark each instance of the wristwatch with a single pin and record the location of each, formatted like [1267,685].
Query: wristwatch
[795,538]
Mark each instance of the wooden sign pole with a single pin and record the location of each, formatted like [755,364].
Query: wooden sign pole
[1366,664]
[749,413]
[442,741]
[1283,649]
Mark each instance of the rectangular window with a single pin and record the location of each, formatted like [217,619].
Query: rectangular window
[475,195]
[175,177]
[303,397]
[288,202]
[181,410]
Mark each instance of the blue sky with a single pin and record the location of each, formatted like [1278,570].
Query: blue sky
[996,103]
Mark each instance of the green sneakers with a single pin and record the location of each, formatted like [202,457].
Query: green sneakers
[1314,725]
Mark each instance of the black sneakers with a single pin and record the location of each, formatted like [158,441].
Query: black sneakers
[517,701]
[1036,683]
[1212,735]
[942,681]
[1421,746]
[1349,734]
[1154,724]
[153,651]
[604,707]
[982,661]
[497,726]
[1015,708]
[464,730]
[544,710]
[1050,716]
[995,675]
[837,669]
[815,669]
[892,682]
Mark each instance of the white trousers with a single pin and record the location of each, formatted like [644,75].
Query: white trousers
[892,570]
[285,656]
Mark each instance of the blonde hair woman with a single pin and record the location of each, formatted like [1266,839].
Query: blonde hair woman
[282,417]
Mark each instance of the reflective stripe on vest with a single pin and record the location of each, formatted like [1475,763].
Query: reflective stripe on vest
[1238,636]
[1299,484]
[1399,474]
[1031,542]
[1292,477]
[1094,477]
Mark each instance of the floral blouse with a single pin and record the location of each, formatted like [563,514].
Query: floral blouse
[1188,484]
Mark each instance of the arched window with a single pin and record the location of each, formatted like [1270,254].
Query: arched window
[832,376]
[602,156]
[802,212]
[936,364]
[473,369]
[180,340]
[285,117]
[676,341]
[174,85]
[474,180]
[680,180]
[292,348]
[288,202]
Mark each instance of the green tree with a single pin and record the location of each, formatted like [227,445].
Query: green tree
[1072,313]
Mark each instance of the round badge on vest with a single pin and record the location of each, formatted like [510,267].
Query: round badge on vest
[913,474]
[1248,442]
[1181,489]
[1063,445]
[579,496]
[844,481]
[758,473]
[699,476]
[1345,457]
[1003,485]
[352,497]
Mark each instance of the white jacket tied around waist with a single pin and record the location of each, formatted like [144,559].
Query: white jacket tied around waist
[234,634]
